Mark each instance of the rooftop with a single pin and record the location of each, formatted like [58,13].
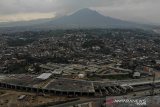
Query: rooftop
[71,85]
[60,84]
[44,76]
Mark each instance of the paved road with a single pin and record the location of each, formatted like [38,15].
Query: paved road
[129,96]
[79,102]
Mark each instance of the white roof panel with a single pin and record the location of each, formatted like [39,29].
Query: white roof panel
[44,76]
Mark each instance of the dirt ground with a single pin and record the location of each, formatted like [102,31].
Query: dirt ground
[10,98]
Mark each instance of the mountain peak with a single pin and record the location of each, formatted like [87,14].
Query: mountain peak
[86,11]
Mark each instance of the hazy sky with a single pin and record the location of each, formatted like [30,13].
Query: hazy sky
[135,10]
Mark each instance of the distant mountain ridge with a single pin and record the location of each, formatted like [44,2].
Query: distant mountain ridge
[84,18]
[92,19]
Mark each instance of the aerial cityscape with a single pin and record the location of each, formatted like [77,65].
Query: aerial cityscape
[79,58]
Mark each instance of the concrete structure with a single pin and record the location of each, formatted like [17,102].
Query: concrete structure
[71,87]
[30,83]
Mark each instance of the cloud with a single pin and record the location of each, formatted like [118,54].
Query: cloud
[134,10]
[26,16]
[143,11]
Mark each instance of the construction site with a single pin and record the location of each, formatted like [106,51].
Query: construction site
[46,84]
[12,98]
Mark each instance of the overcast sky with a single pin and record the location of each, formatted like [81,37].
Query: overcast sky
[145,11]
